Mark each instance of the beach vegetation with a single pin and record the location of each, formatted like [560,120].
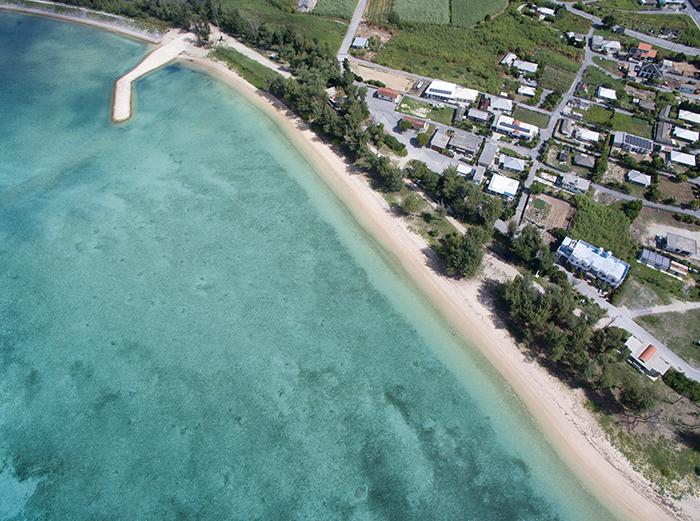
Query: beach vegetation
[463,253]
[253,72]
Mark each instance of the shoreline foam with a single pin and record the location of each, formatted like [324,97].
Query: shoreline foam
[573,433]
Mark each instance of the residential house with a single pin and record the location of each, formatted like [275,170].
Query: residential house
[488,154]
[593,261]
[512,163]
[464,170]
[513,127]
[584,134]
[679,245]
[681,158]
[416,123]
[606,94]
[465,142]
[360,43]
[527,91]
[525,67]
[584,160]
[508,59]
[574,183]
[576,38]
[633,143]
[439,141]
[662,263]
[646,359]
[688,116]
[566,127]
[611,47]
[478,176]
[450,92]
[388,94]
[479,115]
[686,134]
[503,186]
[644,51]
[638,178]
[649,72]
[663,132]
[546,11]
[498,104]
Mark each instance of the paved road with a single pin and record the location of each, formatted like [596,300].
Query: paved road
[659,42]
[650,204]
[352,29]
[692,12]
[621,317]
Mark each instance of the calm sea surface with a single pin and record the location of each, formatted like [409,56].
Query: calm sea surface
[191,327]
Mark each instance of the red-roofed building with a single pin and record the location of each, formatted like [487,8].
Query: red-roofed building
[646,359]
[645,51]
[648,353]
[416,124]
[388,94]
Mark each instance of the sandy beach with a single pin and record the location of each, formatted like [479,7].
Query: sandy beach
[569,428]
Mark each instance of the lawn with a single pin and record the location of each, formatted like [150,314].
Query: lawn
[252,71]
[327,31]
[604,226]
[680,331]
[471,57]
[598,115]
[530,116]
[631,125]
[423,109]
[609,65]
[335,8]
[597,78]
[556,79]
[466,13]
[425,11]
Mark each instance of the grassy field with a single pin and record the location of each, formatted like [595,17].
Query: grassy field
[335,8]
[680,331]
[423,109]
[530,116]
[566,21]
[252,71]
[328,32]
[471,57]
[631,125]
[466,13]
[425,11]
[556,79]
[378,11]
[604,226]
[609,65]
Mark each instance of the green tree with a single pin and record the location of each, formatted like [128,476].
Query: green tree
[463,253]
[404,125]
[411,204]
[632,209]
[423,138]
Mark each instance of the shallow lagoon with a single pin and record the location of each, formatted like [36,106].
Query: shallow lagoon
[193,328]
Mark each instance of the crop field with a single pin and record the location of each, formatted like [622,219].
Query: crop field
[378,11]
[335,8]
[466,13]
[426,11]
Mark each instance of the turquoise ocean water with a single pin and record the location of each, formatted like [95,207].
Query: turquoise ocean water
[191,327]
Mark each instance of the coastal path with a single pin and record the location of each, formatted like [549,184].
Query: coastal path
[173,45]
[222,39]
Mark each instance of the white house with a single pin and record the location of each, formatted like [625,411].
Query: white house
[601,264]
[611,47]
[450,92]
[646,359]
[585,134]
[691,117]
[359,43]
[508,59]
[606,94]
[546,11]
[523,66]
[574,183]
[498,104]
[686,134]
[504,186]
[515,128]
[512,163]
[636,177]
[681,158]
[524,90]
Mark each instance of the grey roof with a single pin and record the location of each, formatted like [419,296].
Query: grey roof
[654,259]
[575,182]
[480,115]
[464,140]
[584,160]
[567,126]
[512,163]
[440,139]
[359,41]
[663,132]
[623,139]
[488,154]
[679,243]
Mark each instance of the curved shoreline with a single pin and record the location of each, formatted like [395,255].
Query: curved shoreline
[566,425]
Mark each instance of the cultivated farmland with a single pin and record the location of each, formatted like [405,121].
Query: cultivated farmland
[426,11]
[466,13]
[335,8]
[378,11]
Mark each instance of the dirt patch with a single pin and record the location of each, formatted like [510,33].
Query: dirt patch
[393,81]
[683,193]
[614,174]
[549,212]
[366,30]
[640,94]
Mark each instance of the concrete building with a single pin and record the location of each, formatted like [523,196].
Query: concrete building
[488,154]
[584,134]
[606,94]
[497,104]
[465,142]
[638,178]
[503,186]
[645,358]
[584,160]
[439,141]
[690,117]
[513,127]
[450,92]
[686,134]
[679,245]
[360,43]
[633,143]
[416,123]
[525,67]
[512,163]
[593,261]
[574,183]
[479,115]
[524,90]
[388,94]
